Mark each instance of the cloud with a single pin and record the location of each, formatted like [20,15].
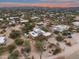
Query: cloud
[10,4]
[41,3]
[60,1]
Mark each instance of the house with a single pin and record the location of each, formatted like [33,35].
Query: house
[2,40]
[37,31]
[60,28]
[33,34]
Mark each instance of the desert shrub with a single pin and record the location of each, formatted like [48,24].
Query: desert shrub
[57,50]
[26,49]
[14,55]
[59,38]
[11,48]
[14,34]
[56,32]
[19,41]
[45,29]
[3,49]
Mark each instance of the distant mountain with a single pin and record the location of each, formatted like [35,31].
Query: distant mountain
[44,8]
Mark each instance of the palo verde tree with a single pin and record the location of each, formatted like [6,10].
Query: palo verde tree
[39,46]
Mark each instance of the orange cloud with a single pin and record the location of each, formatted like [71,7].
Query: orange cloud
[9,4]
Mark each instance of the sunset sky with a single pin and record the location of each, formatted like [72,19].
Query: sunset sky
[41,3]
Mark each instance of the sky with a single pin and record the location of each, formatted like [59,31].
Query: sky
[40,3]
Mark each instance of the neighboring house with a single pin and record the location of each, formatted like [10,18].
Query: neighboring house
[13,17]
[24,21]
[1,19]
[37,31]
[16,19]
[35,17]
[2,40]
[51,15]
[40,23]
[76,24]
[77,18]
[60,28]
[12,22]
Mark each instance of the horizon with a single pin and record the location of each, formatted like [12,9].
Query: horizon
[39,3]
